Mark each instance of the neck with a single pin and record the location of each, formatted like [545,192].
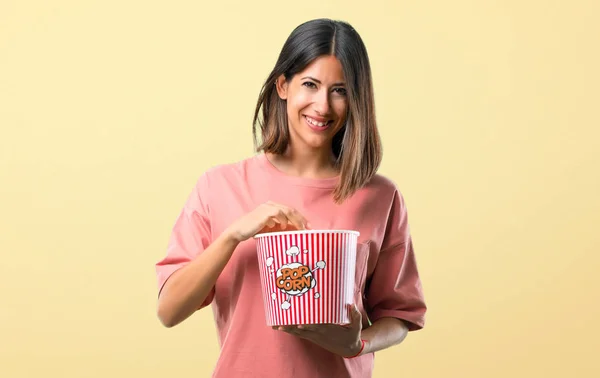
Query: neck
[305,162]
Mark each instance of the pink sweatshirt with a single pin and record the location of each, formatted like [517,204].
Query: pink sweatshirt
[388,283]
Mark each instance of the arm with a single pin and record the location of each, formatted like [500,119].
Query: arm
[384,333]
[192,283]
[188,273]
[345,341]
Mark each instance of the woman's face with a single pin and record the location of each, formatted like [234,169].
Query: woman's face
[316,103]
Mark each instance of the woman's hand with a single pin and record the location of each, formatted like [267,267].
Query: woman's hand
[343,340]
[265,218]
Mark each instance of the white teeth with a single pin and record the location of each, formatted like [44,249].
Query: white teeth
[313,122]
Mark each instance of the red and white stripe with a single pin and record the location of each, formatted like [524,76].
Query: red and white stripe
[334,283]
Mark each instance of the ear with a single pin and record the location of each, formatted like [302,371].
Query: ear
[282,87]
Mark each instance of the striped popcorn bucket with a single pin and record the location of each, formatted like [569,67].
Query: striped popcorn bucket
[307,277]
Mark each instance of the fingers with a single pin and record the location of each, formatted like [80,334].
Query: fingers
[305,329]
[355,316]
[280,218]
[270,223]
[294,217]
[285,215]
[302,331]
[292,330]
[316,328]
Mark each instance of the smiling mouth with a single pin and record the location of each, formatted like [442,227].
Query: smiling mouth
[318,124]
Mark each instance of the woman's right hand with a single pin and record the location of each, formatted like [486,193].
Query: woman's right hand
[265,218]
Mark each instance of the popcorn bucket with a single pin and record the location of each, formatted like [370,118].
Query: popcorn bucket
[307,276]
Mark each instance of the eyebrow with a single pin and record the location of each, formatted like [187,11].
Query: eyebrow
[319,81]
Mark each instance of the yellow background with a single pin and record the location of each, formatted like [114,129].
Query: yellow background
[110,110]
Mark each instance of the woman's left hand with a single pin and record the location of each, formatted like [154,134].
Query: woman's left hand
[343,340]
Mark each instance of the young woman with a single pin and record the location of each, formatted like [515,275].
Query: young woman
[315,168]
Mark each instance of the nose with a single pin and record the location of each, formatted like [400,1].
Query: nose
[322,102]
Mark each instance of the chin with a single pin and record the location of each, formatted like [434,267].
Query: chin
[319,146]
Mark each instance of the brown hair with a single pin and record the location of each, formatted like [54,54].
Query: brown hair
[357,146]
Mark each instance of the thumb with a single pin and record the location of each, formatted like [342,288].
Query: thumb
[355,315]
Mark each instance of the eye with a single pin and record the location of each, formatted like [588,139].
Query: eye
[340,91]
[309,84]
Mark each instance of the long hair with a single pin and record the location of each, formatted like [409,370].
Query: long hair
[357,145]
